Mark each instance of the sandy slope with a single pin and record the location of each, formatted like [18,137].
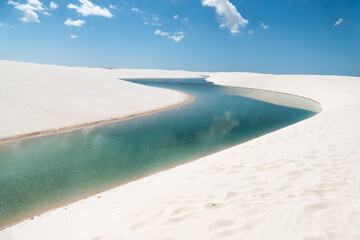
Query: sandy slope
[300,182]
[39,98]
[332,92]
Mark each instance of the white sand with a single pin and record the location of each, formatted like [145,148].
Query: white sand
[300,182]
[38,98]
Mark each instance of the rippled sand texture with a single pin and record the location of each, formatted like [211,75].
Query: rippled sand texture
[300,182]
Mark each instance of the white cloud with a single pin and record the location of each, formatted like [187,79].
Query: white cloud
[29,9]
[338,22]
[53,5]
[46,13]
[177,37]
[156,20]
[33,5]
[77,23]
[87,8]
[145,20]
[30,16]
[113,6]
[264,26]
[2,24]
[161,33]
[73,36]
[227,14]
[12,3]
[148,20]
[251,32]
[177,17]
[136,10]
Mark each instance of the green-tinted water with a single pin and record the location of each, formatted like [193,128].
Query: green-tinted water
[39,173]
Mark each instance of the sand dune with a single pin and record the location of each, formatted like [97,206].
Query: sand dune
[38,98]
[332,92]
[300,182]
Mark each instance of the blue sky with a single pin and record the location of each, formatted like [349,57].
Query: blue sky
[281,36]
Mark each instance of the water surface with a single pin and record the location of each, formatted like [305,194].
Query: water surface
[43,172]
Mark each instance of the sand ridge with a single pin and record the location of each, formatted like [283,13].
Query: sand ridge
[41,99]
[300,182]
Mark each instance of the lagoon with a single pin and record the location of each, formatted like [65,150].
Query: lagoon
[40,173]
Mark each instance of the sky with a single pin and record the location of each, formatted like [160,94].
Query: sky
[280,36]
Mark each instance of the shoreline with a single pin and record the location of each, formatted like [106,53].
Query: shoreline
[98,193]
[189,99]
[259,98]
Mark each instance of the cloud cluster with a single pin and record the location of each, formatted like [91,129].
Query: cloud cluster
[227,14]
[77,23]
[29,9]
[154,20]
[177,37]
[87,8]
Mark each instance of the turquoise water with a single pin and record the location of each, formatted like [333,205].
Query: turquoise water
[40,173]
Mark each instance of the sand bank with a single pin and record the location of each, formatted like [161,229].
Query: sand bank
[300,182]
[39,99]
